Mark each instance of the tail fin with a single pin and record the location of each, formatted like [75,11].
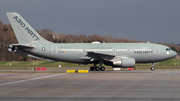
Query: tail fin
[23,31]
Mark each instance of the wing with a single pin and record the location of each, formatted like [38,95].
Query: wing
[106,57]
[114,60]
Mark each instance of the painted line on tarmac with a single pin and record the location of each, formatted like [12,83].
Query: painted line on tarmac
[32,79]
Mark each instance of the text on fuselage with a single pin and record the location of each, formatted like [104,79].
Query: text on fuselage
[143,52]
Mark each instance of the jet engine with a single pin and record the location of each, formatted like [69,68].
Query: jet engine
[124,62]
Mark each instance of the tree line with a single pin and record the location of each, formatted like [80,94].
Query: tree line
[7,37]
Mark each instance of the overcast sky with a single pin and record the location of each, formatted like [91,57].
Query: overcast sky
[146,20]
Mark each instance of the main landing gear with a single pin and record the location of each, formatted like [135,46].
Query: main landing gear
[97,68]
[153,68]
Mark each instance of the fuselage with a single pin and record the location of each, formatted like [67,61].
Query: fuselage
[74,52]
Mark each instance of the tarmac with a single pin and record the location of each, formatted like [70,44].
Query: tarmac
[118,86]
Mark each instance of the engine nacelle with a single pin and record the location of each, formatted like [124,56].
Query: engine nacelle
[125,62]
[117,63]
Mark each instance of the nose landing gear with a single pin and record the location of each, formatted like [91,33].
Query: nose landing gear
[153,68]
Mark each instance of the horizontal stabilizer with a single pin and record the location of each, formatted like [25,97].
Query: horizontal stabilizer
[24,47]
[15,47]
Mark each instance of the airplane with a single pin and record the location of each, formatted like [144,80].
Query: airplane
[123,55]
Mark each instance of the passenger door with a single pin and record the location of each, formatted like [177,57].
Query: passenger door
[114,51]
[54,49]
[156,50]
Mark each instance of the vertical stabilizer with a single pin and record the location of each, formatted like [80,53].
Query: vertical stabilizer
[23,31]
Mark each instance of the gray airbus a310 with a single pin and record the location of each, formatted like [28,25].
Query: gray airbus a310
[122,55]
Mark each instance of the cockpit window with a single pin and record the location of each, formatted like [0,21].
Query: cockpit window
[168,49]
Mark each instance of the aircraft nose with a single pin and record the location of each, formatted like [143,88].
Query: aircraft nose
[173,54]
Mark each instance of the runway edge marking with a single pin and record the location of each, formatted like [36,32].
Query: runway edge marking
[32,79]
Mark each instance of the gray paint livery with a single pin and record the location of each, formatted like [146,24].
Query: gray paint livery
[114,54]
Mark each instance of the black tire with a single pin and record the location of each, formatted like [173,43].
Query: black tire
[92,68]
[152,68]
[97,68]
[102,68]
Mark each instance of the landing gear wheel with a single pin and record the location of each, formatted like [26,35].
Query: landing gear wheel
[152,68]
[97,68]
[102,69]
[92,68]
